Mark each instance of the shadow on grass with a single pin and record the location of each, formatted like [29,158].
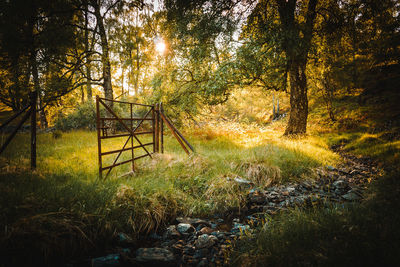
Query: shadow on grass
[364,234]
[62,211]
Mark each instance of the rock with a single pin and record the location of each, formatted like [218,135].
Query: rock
[206,230]
[339,184]
[273,195]
[203,263]
[185,228]
[189,249]
[239,228]
[171,233]
[193,221]
[154,256]
[155,236]
[167,243]
[240,180]
[205,241]
[331,168]
[290,189]
[307,185]
[124,239]
[258,199]
[222,235]
[109,260]
[351,196]
[200,253]
[243,183]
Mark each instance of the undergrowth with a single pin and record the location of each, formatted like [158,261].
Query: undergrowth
[335,235]
[62,210]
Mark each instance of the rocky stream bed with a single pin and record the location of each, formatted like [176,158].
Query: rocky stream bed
[205,242]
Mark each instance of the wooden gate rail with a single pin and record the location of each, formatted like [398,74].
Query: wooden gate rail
[30,113]
[102,133]
[158,118]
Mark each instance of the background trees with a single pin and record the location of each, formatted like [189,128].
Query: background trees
[108,47]
[38,52]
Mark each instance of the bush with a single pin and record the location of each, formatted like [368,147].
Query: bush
[83,117]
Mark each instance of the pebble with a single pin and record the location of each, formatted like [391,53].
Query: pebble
[202,242]
[351,196]
[171,233]
[206,230]
[185,228]
[205,241]
[154,255]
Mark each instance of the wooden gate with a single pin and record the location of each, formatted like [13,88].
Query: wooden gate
[31,112]
[130,128]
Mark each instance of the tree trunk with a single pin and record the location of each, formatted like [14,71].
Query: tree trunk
[82,94]
[87,62]
[42,114]
[105,57]
[137,69]
[298,100]
[297,43]
[36,84]
[122,80]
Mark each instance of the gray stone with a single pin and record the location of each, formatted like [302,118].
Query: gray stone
[185,228]
[239,228]
[206,230]
[351,196]
[205,241]
[193,221]
[171,232]
[155,236]
[154,255]
[339,184]
[122,237]
[240,180]
[109,260]
[290,189]
[331,168]
[203,263]
[200,253]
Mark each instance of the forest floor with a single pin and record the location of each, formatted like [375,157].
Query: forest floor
[247,197]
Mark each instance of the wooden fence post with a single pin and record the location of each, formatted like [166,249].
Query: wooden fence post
[162,127]
[98,136]
[33,100]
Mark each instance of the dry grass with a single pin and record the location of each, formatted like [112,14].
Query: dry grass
[260,173]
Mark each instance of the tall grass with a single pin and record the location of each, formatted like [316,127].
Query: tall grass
[65,192]
[336,235]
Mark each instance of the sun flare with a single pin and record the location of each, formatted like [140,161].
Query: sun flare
[161,47]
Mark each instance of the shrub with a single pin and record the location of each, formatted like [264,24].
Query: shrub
[83,117]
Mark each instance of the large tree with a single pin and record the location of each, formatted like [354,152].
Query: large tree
[278,31]
[38,52]
[277,40]
[296,42]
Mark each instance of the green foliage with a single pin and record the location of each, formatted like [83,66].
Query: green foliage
[83,117]
[32,46]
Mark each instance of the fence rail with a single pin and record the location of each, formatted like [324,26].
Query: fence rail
[31,112]
[154,115]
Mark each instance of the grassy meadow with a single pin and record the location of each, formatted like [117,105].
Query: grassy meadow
[358,234]
[63,202]
[63,209]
